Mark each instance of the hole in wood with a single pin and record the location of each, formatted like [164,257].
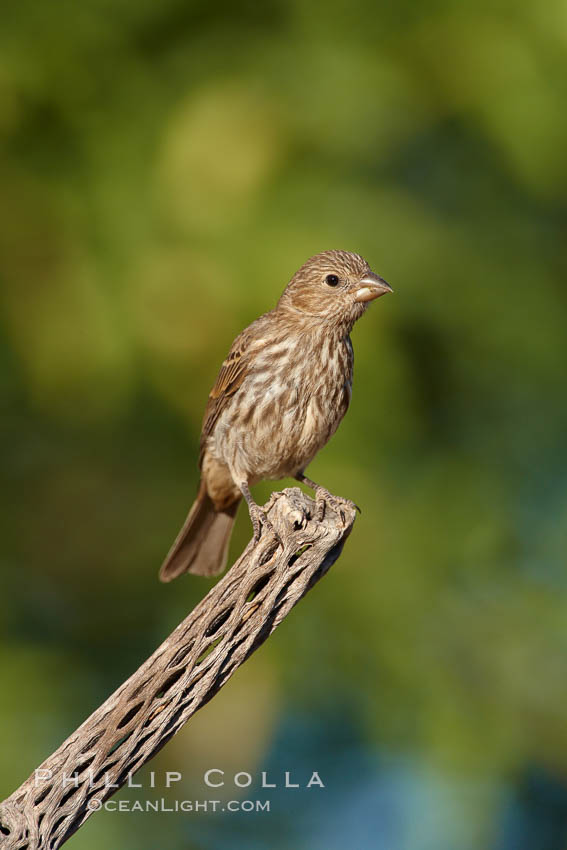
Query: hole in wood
[129,715]
[174,720]
[70,793]
[227,661]
[86,764]
[267,556]
[219,621]
[298,554]
[104,770]
[259,586]
[56,826]
[169,683]
[41,797]
[116,746]
[207,651]
[180,655]
[283,592]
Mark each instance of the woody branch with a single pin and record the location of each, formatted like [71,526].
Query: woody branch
[184,673]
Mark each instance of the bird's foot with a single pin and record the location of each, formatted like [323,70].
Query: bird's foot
[323,498]
[260,520]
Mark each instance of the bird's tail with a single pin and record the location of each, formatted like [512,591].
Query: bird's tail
[201,547]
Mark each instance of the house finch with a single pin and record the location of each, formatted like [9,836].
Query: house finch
[278,398]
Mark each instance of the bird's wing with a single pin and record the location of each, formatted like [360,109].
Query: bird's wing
[232,373]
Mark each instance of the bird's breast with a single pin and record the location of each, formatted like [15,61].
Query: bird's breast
[287,408]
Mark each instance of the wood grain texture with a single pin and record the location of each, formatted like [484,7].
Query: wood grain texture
[184,673]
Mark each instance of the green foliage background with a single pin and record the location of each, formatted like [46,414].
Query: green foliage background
[165,169]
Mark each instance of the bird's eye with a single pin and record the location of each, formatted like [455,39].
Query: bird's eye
[332,280]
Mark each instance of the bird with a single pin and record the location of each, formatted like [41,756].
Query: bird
[279,396]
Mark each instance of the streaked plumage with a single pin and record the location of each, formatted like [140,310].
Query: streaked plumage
[279,396]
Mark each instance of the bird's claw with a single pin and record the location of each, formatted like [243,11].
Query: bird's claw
[259,521]
[323,498]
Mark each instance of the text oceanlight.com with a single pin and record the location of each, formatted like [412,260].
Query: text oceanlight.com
[162,805]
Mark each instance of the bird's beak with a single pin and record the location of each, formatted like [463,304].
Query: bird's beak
[371,286]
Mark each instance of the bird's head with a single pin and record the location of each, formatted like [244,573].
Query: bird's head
[335,285]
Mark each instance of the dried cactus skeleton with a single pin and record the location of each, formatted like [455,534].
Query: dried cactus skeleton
[184,673]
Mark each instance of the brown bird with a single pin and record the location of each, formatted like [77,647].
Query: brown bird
[278,398]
